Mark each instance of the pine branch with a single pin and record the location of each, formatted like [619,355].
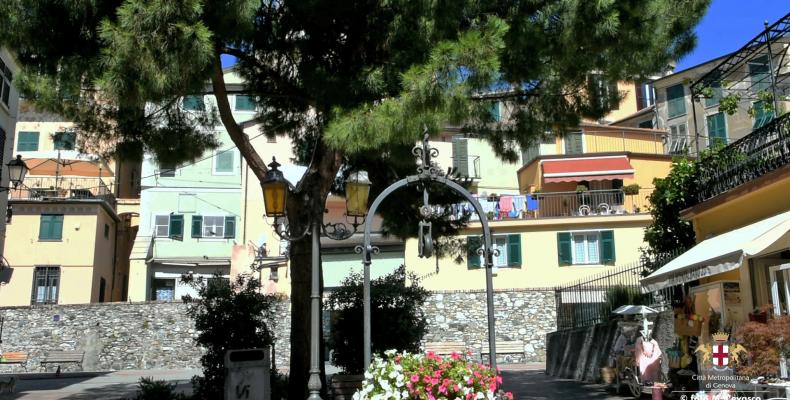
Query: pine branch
[291,90]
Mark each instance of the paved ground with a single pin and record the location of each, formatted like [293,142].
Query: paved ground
[534,384]
[525,381]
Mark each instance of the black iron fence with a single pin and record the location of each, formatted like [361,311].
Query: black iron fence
[60,188]
[591,300]
[756,154]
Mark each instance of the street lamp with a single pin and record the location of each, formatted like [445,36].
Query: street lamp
[17,169]
[275,192]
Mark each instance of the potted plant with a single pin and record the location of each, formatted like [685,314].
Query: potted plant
[631,189]
[581,188]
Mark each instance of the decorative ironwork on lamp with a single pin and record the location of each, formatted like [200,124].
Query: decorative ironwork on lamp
[17,170]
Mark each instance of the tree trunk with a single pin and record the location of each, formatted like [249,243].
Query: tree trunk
[307,202]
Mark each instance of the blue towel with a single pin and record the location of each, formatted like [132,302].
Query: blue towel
[532,203]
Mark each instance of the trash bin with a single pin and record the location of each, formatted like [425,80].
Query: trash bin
[247,374]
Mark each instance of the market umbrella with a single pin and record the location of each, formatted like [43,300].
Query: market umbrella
[634,310]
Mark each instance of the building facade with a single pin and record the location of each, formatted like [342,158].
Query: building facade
[9,106]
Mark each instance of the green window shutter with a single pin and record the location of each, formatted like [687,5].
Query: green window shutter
[197,226]
[761,117]
[607,247]
[244,103]
[676,101]
[494,110]
[194,103]
[176,225]
[472,244]
[514,250]
[50,227]
[573,143]
[564,248]
[230,227]
[717,129]
[28,141]
[64,140]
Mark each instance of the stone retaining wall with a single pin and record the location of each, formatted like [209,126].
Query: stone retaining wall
[580,353]
[156,335]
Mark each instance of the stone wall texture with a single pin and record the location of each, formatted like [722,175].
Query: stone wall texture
[156,335]
[521,315]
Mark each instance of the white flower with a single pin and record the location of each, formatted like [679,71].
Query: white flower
[391,352]
[368,375]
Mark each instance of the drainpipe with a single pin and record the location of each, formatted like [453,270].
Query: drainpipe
[114,262]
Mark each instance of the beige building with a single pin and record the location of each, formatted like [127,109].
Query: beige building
[9,99]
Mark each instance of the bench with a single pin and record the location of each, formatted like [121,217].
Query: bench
[510,347]
[446,348]
[62,357]
[17,357]
[343,387]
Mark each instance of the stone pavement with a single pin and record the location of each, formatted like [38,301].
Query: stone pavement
[94,385]
[531,382]
[526,381]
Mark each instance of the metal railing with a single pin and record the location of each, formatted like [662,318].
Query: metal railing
[560,204]
[68,188]
[752,156]
[591,300]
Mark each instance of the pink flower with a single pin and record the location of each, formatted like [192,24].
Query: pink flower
[435,381]
[426,379]
[446,382]
[430,355]
[443,389]
[492,387]
[455,356]
[509,395]
[456,388]
[415,378]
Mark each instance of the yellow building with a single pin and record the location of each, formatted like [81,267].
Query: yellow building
[740,267]
[73,219]
[576,207]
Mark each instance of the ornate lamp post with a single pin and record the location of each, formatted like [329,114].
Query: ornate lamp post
[275,193]
[17,169]
[427,175]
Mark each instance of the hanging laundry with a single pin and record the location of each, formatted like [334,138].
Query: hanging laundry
[532,203]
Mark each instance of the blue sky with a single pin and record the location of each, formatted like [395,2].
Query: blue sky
[730,24]
[727,26]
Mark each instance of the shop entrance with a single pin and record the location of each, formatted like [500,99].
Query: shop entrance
[780,288]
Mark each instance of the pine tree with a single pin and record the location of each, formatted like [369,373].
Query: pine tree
[346,80]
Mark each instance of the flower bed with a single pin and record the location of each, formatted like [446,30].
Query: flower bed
[429,377]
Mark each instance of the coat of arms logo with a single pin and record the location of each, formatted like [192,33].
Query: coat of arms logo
[721,354]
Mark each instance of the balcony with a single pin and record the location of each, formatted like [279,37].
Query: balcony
[52,188]
[754,155]
[560,205]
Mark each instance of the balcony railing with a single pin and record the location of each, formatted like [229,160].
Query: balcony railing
[560,204]
[604,141]
[752,156]
[52,188]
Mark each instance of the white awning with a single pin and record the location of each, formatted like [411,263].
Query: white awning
[722,253]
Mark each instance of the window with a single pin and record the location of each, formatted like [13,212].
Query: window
[6,77]
[106,231]
[678,140]
[573,143]
[46,281]
[509,247]
[495,111]
[245,103]
[714,100]
[646,124]
[224,162]
[585,248]
[213,226]
[644,95]
[27,141]
[163,289]
[64,140]
[760,115]
[759,72]
[51,227]
[717,129]
[193,103]
[167,171]
[676,101]
[171,226]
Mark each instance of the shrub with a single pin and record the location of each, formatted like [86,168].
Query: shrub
[417,376]
[766,343]
[228,315]
[150,389]
[621,295]
[397,319]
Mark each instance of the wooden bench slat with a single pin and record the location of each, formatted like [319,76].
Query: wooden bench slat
[446,347]
[505,347]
